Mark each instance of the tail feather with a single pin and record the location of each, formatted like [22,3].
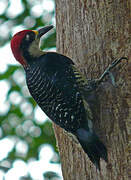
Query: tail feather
[91,144]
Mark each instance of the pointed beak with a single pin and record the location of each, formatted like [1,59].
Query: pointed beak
[44,30]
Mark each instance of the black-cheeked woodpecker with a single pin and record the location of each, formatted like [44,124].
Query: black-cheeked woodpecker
[55,84]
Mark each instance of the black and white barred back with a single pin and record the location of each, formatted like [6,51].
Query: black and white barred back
[53,85]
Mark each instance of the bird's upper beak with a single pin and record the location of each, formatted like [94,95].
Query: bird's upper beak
[44,30]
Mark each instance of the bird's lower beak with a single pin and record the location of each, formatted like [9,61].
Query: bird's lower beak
[44,30]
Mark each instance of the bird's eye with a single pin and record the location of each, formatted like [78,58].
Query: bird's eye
[27,37]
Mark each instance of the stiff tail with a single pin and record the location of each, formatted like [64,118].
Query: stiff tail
[91,144]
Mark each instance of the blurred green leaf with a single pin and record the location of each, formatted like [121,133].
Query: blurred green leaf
[50,175]
[11,69]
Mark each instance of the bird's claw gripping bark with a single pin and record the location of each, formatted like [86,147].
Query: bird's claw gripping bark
[107,71]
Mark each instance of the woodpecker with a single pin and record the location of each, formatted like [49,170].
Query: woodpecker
[56,85]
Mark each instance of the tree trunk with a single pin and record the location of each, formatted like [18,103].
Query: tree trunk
[93,34]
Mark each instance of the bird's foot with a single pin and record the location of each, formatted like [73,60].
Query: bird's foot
[107,71]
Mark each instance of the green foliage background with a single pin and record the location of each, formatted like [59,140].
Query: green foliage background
[15,123]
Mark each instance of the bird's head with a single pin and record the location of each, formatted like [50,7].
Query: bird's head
[25,44]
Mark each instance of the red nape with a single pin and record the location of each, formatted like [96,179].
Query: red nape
[15,46]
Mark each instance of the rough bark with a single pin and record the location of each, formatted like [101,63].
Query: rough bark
[93,33]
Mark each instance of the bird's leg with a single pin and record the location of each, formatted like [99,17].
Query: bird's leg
[107,71]
[93,84]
